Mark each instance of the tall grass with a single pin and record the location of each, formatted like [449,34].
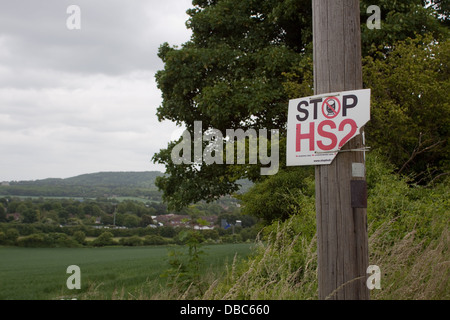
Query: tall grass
[282,268]
[286,268]
[408,239]
[409,235]
[412,270]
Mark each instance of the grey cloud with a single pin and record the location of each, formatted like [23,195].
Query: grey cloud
[116,37]
[80,101]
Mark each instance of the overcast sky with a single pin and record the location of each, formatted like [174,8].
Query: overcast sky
[83,100]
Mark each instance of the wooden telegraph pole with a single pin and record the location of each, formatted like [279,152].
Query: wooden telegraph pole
[341,224]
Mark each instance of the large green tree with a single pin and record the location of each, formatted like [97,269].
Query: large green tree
[411,106]
[244,61]
[228,76]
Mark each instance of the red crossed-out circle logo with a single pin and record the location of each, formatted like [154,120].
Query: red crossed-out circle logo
[331,107]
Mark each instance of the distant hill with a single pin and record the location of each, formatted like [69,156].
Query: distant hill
[102,179]
[130,179]
[93,185]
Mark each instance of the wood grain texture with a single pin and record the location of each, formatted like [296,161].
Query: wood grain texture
[341,229]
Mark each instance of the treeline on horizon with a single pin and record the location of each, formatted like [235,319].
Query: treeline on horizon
[127,213]
[39,235]
[67,222]
[78,191]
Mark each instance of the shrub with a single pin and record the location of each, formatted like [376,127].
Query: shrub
[272,199]
[154,240]
[210,234]
[35,240]
[104,239]
[2,237]
[132,241]
[11,236]
[80,237]
[55,239]
[249,234]
[232,238]
[50,240]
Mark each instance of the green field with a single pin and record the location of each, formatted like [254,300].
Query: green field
[40,273]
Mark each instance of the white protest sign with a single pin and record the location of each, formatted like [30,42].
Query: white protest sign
[318,126]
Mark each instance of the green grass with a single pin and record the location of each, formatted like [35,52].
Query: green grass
[40,273]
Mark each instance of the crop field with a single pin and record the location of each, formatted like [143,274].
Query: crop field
[40,273]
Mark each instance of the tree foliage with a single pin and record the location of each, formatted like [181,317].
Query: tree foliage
[402,19]
[280,196]
[245,60]
[411,106]
[228,76]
